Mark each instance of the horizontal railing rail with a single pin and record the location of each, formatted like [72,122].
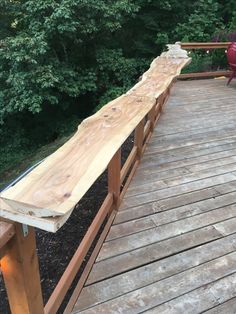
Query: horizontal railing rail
[46,196]
[208,45]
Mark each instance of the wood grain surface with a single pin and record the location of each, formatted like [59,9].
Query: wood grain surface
[57,184]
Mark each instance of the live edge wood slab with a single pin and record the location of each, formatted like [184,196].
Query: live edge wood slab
[46,196]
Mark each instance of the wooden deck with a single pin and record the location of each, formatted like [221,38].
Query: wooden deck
[172,246]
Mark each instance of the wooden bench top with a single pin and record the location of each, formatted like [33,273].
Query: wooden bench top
[46,196]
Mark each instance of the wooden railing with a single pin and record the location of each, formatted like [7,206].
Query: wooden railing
[206,46]
[209,45]
[46,197]
[48,194]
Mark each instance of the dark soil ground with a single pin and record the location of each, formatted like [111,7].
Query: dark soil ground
[56,250]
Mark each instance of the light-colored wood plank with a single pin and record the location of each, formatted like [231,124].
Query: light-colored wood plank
[57,184]
[228,307]
[51,224]
[167,216]
[146,237]
[144,198]
[170,127]
[173,202]
[145,275]
[165,204]
[186,177]
[143,177]
[148,172]
[202,174]
[212,164]
[193,134]
[201,299]
[180,155]
[200,118]
[150,253]
[163,136]
[159,146]
[155,294]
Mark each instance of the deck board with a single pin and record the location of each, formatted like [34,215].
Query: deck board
[172,245]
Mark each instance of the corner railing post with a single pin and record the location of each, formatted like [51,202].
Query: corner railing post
[20,269]
[114,178]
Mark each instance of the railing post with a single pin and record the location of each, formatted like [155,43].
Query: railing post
[114,178]
[138,138]
[19,266]
[151,117]
[162,101]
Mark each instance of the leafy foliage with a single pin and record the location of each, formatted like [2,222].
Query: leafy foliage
[52,56]
[233,23]
[202,22]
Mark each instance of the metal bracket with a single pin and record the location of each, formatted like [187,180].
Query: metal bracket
[25,230]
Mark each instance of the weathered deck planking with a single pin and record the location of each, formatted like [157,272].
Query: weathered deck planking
[172,245]
[6,233]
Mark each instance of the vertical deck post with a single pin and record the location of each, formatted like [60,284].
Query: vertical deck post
[114,177]
[162,98]
[151,117]
[20,270]
[138,138]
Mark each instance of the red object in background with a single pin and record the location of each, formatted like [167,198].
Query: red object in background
[231,56]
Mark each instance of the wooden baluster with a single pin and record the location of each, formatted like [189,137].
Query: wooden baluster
[20,270]
[162,101]
[114,178]
[168,92]
[138,138]
[151,117]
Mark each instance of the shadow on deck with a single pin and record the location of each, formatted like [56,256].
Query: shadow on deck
[172,246]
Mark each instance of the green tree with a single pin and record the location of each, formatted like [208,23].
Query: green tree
[202,23]
[232,25]
[153,27]
[54,68]
[226,9]
[52,57]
